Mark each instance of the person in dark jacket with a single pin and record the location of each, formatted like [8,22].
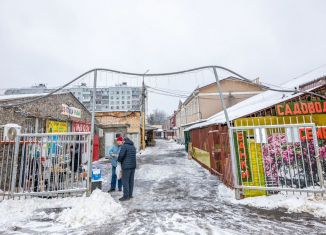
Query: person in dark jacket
[127,158]
[75,160]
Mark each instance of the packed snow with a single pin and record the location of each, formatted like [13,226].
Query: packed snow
[63,214]
[292,202]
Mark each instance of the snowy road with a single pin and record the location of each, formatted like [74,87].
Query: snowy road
[174,195]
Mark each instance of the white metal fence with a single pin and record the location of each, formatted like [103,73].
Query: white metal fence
[45,164]
[271,158]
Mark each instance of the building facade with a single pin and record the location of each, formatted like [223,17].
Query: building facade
[115,124]
[45,115]
[205,101]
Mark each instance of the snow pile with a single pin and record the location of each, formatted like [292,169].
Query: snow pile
[94,210]
[72,212]
[293,203]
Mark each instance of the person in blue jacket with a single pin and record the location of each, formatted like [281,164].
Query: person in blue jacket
[114,154]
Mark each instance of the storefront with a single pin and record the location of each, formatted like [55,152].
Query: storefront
[274,137]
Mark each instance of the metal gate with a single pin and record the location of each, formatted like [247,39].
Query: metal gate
[273,158]
[45,165]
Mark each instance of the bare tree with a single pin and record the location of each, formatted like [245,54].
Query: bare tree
[157,117]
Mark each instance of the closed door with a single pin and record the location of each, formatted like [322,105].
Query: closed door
[109,138]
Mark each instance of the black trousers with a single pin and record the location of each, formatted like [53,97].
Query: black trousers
[128,177]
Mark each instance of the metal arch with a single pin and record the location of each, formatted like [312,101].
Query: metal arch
[175,73]
[159,74]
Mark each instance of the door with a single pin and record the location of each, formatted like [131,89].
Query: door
[109,138]
[135,138]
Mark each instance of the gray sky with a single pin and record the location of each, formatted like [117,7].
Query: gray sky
[54,41]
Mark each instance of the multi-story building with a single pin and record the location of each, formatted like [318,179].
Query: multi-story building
[115,98]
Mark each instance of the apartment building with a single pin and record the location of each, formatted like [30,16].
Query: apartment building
[120,97]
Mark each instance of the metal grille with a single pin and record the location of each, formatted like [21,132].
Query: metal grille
[45,164]
[272,158]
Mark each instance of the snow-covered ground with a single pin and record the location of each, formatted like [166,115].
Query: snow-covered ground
[292,202]
[173,195]
[60,215]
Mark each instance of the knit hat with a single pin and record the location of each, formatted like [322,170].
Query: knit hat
[120,138]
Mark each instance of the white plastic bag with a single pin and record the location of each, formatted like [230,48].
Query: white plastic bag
[119,171]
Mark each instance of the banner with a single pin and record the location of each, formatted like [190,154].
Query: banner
[242,155]
[71,111]
[81,127]
[301,108]
[56,127]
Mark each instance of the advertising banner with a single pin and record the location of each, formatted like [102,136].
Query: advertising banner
[56,127]
[70,111]
[81,127]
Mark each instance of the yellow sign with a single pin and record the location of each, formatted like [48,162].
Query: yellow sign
[202,156]
[56,127]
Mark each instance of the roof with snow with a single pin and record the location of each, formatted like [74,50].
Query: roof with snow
[262,101]
[20,96]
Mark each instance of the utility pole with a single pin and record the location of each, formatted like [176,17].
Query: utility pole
[143,145]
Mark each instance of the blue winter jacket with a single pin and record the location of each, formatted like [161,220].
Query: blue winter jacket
[114,150]
[127,155]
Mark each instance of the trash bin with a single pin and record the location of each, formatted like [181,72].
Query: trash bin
[96,179]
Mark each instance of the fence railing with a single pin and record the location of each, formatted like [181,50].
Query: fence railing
[44,164]
[272,158]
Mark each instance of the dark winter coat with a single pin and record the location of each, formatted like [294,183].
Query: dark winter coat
[127,155]
[75,159]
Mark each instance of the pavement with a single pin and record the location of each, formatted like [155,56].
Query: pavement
[174,195]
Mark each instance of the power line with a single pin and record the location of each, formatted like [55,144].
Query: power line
[167,94]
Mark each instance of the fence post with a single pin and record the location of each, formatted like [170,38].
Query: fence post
[15,166]
[319,168]
[233,159]
[89,166]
